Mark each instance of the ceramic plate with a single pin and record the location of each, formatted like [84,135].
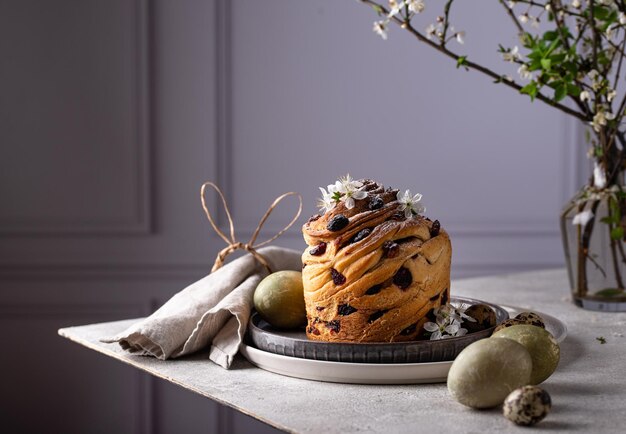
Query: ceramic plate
[294,343]
[371,373]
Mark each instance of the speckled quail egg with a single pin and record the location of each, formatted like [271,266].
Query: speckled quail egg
[527,405]
[543,348]
[485,372]
[531,318]
[508,323]
[484,315]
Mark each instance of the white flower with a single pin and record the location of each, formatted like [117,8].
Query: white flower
[611,95]
[512,55]
[416,6]
[523,18]
[534,22]
[431,30]
[327,202]
[380,27]
[434,329]
[622,18]
[347,190]
[410,203]
[600,119]
[599,176]
[459,37]
[610,30]
[350,193]
[444,329]
[336,190]
[347,183]
[394,8]
[511,4]
[582,218]
[448,320]
[451,313]
[576,4]
[584,95]
[524,73]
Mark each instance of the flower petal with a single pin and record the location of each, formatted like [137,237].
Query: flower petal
[359,194]
[431,327]
[582,218]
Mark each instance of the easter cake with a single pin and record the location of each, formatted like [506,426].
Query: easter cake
[374,267]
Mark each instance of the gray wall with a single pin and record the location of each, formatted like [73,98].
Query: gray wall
[112,113]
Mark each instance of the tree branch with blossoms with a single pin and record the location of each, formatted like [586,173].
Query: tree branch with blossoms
[574,58]
[572,54]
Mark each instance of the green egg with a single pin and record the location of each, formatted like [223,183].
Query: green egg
[279,299]
[543,348]
[485,372]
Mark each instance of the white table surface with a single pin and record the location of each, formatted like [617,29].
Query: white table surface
[588,389]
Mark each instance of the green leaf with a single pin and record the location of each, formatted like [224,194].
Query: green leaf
[560,92]
[546,64]
[610,292]
[461,61]
[378,9]
[550,35]
[617,233]
[573,90]
[530,89]
[527,41]
[600,12]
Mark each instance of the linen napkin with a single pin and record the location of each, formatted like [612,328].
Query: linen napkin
[214,310]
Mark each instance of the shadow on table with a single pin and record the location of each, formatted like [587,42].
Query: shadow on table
[572,349]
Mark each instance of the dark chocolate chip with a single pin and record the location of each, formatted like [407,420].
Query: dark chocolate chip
[376,202]
[373,317]
[409,330]
[374,289]
[313,331]
[360,235]
[398,216]
[319,308]
[318,250]
[391,249]
[434,297]
[345,309]
[403,279]
[314,217]
[334,325]
[435,228]
[337,223]
[338,278]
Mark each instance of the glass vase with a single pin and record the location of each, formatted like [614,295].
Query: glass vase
[595,249]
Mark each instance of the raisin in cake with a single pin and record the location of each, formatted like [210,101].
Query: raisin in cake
[370,273]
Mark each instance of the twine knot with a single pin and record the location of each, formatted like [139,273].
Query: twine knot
[232,242]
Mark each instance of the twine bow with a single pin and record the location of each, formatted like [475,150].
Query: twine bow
[232,242]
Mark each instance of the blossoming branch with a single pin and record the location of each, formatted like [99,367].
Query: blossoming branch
[569,56]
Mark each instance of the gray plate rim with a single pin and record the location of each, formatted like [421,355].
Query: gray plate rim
[255,318]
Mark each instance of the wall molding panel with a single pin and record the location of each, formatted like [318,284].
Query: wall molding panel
[139,59]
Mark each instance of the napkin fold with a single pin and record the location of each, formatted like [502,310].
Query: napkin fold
[214,310]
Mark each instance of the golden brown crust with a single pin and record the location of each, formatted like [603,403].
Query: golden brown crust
[371,290]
